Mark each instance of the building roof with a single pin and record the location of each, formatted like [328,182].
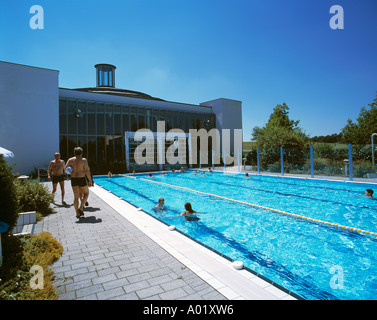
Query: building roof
[119,92]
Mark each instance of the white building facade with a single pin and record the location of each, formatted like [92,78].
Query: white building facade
[29,114]
[39,118]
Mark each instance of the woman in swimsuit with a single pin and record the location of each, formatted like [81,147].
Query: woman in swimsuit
[189,214]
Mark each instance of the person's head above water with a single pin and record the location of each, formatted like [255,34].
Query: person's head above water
[188,207]
[369,192]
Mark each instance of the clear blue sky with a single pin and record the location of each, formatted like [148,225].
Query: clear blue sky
[263,53]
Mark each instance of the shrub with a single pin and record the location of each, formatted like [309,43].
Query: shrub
[8,204]
[33,196]
[20,254]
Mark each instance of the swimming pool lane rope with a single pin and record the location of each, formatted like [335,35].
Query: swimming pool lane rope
[288,214]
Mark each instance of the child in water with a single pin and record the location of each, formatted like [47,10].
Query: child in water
[160,206]
[189,214]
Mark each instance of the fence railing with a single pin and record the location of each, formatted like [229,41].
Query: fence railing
[352,161]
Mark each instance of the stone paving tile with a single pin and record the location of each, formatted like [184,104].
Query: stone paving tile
[107,258]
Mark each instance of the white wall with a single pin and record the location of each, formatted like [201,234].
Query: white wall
[29,115]
[228,115]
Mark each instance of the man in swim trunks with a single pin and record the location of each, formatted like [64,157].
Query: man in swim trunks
[80,180]
[57,168]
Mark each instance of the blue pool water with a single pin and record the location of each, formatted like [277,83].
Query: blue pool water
[311,260]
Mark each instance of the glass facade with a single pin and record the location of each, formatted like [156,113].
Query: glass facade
[99,127]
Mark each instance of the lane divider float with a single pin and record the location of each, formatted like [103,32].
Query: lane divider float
[288,214]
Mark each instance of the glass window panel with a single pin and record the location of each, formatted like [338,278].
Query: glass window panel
[133,119]
[62,116]
[105,78]
[82,142]
[162,116]
[100,119]
[109,120]
[110,78]
[125,123]
[125,119]
[81,117]
[188,120]
[110,149]
[63,148]
[91,115]
[141,118]
[182,122]
[155,118]
[175,123]
[92,150]
[101,150]
[72,117]
[118,156]
[100,77]
[169,120]
[117,120]
[212,119]
[148,117]
[72,144]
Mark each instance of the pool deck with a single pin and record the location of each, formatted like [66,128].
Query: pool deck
[121,253]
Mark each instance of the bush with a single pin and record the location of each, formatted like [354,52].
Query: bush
[20,254]
[33,196]
[8,204]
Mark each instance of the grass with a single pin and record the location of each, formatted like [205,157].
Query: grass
[21,253]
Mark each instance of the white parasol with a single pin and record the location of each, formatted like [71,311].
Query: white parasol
[6,153]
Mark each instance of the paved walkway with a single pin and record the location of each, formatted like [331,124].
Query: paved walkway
[106,257]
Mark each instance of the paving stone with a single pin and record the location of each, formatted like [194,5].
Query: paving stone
[106,257]
[148,292]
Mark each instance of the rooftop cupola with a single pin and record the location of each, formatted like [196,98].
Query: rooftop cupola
[105,75]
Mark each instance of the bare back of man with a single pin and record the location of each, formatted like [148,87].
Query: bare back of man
[80,180]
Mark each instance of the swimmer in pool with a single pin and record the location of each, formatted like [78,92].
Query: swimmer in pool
[160,206]
[189,214]
[369,194]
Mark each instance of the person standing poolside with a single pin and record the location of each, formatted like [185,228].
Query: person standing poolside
[80,180]
[57,168]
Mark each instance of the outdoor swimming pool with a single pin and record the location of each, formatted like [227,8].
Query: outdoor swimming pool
[313,260]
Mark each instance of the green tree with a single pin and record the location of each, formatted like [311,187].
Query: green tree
[279,131]
[360,132]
